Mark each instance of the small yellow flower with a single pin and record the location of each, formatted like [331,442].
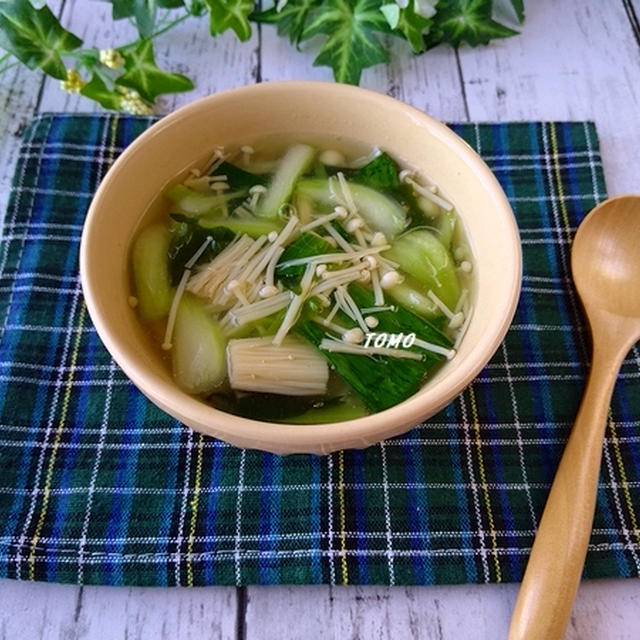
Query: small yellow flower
[111,58]
[131,102]
[73,83]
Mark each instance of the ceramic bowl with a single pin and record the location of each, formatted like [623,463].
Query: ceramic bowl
[188,135]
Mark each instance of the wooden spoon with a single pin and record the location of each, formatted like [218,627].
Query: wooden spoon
[605,261]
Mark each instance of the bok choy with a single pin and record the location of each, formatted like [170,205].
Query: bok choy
[323,290]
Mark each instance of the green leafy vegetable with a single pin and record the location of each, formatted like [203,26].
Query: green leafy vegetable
[187,236]
[189,233]
[198,350]
[282,283]
[421,255]
[274,407]
[251,227]
[381,173]
[306,246]
[291,166]
[381,212]
[381,381]
[150,272]
[194,203]
[446,227]
[239,178]
[411,295]
[399,320]
[336,409]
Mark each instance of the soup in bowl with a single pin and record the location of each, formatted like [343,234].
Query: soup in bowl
[300,267]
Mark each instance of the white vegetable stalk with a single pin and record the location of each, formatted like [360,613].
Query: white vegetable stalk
[292,165]
[291,368]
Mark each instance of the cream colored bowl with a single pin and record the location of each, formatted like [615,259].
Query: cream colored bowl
[191,133]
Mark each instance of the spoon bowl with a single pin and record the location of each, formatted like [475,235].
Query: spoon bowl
[605,259]
[606,270]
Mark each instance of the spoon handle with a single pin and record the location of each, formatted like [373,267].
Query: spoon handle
[554,569]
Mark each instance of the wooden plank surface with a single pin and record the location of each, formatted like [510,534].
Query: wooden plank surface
[574,59]
[461,612]
[604,610]
[18,98]
[431,83]
[66,612]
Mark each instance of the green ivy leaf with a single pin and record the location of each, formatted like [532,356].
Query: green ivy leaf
[460,21]
[230,14]
[413,27]
[508,12]
[518,6]
[35,36]
[352,44]
[143,11]
[290,20]
[96,89]
[143,75]
[391,12]
[197,8]
[122,9]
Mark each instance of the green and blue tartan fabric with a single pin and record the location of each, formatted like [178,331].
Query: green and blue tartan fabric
[97,486]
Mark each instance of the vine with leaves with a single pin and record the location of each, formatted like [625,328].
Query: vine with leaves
[127,78]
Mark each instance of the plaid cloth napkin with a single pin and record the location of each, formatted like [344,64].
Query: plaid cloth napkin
[98,486]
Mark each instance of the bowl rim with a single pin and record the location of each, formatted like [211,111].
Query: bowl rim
[323,437]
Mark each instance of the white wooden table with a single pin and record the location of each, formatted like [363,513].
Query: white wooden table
[576,59]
